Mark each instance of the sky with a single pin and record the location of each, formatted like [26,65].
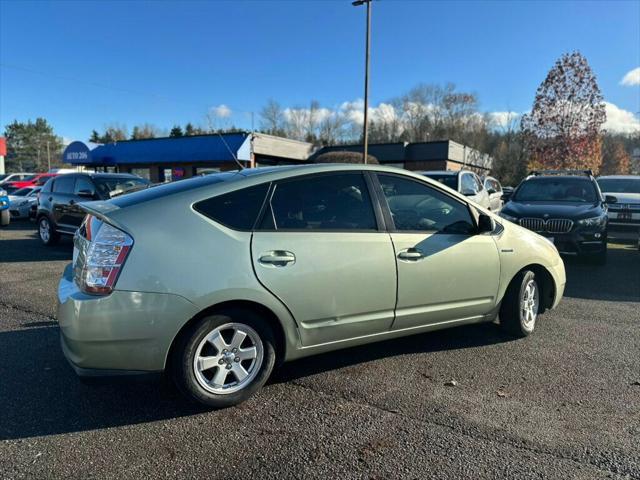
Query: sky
[85,65]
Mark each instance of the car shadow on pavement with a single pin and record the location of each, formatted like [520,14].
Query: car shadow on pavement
[468,336]
[618,280]
[29,248]
[41,394]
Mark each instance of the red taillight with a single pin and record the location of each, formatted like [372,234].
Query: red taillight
[102,251]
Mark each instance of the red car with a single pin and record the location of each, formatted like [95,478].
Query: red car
[38,180]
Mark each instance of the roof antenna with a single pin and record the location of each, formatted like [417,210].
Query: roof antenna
[242,167]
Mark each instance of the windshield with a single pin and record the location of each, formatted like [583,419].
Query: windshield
[23,192]
[113,186]
[450,181]
[3,176]
[556,190]
[620,185]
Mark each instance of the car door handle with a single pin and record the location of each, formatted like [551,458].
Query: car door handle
[410,254]
[277,258]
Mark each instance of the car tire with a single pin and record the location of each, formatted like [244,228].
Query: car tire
[206,367]
[520,305]
[5,218]
[46,232]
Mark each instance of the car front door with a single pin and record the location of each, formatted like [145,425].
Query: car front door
[446,272]
[84,191]
[321,250]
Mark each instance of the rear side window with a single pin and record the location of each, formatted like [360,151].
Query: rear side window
[322,202]
[64,185]
[238,209]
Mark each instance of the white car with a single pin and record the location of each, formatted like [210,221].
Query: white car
[14,177]
[464,182]
[626,189]
[494,189]
[22,200]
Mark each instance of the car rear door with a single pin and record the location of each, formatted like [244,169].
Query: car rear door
[446,272]
[85,186]
[60,198]
[322,250]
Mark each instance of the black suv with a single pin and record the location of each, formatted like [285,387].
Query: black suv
[567,207]
[58,210]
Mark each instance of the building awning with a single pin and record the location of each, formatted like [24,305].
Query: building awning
[172,150]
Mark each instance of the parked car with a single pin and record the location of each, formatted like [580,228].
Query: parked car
[463,181]
[215,279]
[566,207]
[494,189]
[22,200]
[5,217]
[6,178]
[59,200]
[626,188]
[37,180]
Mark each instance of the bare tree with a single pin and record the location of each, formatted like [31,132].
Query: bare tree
[272,118]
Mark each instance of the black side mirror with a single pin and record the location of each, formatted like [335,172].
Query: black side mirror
[610,199]
[485,223]
[86,194]
[491,191]
[468,192]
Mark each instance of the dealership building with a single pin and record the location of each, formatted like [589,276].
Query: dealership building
[173,158]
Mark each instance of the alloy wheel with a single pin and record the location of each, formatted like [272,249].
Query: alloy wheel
[228,358]
[529,304]
[44,230]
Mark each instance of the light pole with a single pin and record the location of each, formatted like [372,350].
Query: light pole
[365,127]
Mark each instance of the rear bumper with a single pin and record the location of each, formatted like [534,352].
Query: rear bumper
[119,334]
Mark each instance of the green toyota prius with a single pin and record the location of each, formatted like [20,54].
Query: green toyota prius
[216,279]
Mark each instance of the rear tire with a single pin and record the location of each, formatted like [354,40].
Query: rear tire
[225,358]
[5,218]
[520,305]
[47,232]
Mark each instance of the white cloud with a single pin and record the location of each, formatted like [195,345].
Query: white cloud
[631,78]
[503,119]
[221,111]
[620,120]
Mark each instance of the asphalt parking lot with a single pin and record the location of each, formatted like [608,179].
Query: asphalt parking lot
[564,403]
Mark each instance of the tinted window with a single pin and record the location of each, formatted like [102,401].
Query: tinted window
[23,192]
[64,184]
[324,202]
[113,186]
[551,189]
[450,181]
[417,207]
[238,209]
[84,184]
[620,185]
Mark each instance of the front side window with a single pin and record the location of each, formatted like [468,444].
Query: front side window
[468,184]
[238,209]
[324,202]
[415,206]
[110,187]
[64,185]
[84,185]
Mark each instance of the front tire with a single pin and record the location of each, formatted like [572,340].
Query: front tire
[47,232]
[520,306]
[5,218]
[224,359]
